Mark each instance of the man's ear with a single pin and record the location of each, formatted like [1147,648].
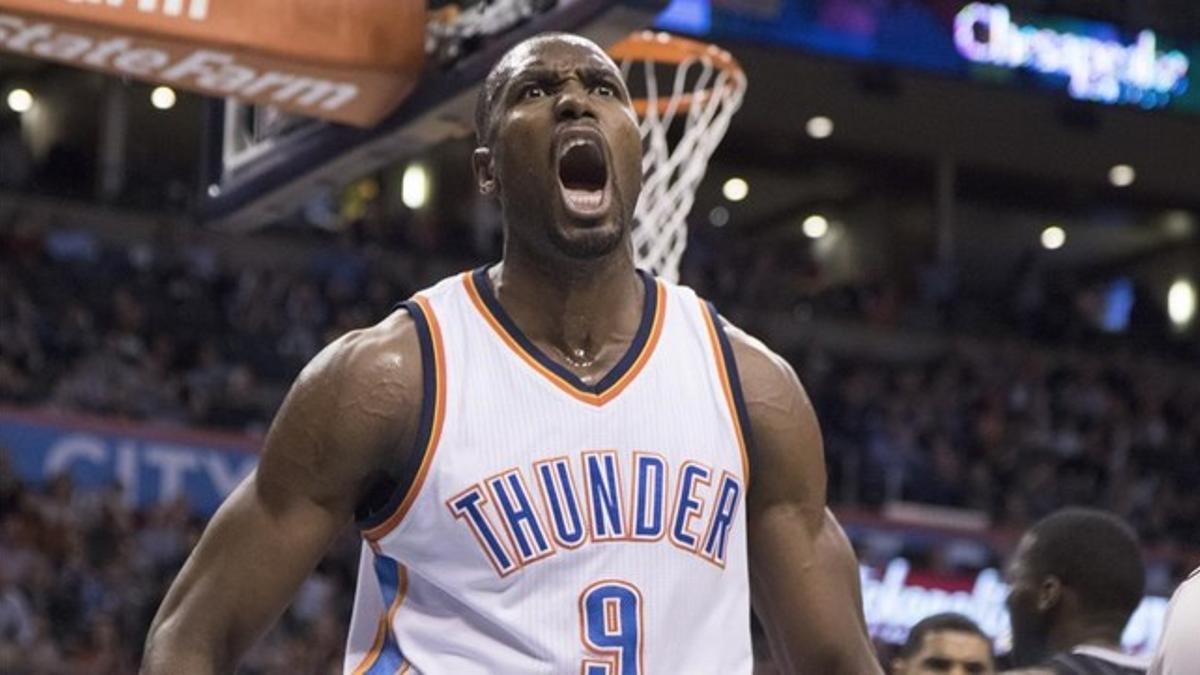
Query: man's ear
[1050,593]
[483,162]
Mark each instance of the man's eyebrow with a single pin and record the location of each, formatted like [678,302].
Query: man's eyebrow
[534,73]
[598,72]
[540,73]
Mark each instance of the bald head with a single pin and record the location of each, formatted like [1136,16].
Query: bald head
[512,62]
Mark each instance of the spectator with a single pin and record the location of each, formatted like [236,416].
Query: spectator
[949,644]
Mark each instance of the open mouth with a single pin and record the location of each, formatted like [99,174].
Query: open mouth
[583,173]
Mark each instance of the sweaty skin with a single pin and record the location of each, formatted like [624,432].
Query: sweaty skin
[569,283]
[333,439]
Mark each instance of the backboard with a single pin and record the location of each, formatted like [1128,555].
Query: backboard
[262,164]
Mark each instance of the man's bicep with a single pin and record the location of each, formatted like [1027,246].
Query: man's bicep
[803,573]
[805,590]
[334,439]
[245,568]
[787,460]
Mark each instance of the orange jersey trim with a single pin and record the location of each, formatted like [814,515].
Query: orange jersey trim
[439,417]
[385,624]
[727,387]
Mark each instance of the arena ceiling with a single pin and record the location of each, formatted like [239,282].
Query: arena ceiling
[1042,146]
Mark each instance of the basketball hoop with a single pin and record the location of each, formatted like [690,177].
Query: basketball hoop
[681,125]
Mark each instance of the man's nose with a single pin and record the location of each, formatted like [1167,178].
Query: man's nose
[572,103]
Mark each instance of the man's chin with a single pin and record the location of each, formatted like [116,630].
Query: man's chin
[588,241]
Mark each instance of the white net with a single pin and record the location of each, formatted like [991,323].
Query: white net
[690,94]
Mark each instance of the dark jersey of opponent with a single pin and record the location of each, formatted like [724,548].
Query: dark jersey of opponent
[1076,663]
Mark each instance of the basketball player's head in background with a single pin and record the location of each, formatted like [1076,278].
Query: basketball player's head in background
[1076,577]
[558,146]
[945,644]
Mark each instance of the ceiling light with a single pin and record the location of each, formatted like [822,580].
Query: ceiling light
[163,98]
[20,100]
[815,226]
[819,127]
[414,186]
[1122,175]
[1053,237]
[1181,302]
[736,189]
[719,216]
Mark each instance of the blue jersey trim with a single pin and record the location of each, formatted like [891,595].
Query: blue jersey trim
[429,384]
[735,380]
[649,308]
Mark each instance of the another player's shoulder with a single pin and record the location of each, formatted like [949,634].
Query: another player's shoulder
[1093,659]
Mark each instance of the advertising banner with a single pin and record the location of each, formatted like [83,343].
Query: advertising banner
[985,42]
[151,464]
[897,597]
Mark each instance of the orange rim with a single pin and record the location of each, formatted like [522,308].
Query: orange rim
[671,49]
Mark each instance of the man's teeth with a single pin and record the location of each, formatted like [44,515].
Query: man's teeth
[574,143]
[584,199]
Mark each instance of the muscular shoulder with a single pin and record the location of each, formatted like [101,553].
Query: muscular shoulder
[365,369]
[787,459]
[349,412]
[764,374]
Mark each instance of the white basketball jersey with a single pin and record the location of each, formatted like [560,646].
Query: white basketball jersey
[1178,650]
[551,526]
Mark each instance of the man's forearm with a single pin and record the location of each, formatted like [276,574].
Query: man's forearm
[171,649]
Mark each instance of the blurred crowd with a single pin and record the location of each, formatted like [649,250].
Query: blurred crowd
[166,331]
[81,575]
[1015,433]
[173,331]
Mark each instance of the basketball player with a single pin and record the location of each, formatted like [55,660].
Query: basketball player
[1077,576]
[1178,652]
[945,644]
[559,464]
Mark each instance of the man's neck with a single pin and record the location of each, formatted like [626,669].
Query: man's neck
[582,309]
[1081,632]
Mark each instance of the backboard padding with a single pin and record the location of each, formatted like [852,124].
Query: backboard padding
[318,155]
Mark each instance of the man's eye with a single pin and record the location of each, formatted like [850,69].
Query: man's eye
[533,91]
[605,90]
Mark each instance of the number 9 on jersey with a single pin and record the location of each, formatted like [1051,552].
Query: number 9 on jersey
[611,625]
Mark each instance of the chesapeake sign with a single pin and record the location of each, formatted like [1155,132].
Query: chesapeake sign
[1096,68]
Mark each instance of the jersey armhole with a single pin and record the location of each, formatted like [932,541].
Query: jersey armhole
[377,523]
[732,384]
